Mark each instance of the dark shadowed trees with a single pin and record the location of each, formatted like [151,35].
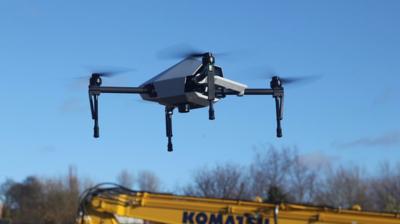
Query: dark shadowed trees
[47,201]
[24,201]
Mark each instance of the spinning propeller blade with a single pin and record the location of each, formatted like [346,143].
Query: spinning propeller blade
[110,72]
[289,80]
[107,72]
[184,51]
[269,73]
[297,79]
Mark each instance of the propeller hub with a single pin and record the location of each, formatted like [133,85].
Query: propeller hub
[208,58]
[95,80]
[275,82]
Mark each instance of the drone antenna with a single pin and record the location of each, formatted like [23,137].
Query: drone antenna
[168,125]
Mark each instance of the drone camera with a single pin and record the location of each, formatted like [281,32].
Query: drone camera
[184,108]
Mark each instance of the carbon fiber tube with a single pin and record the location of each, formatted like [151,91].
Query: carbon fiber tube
[109,89]
[247,92]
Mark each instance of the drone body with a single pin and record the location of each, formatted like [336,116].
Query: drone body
[184,86]
[189,84]
[169,86]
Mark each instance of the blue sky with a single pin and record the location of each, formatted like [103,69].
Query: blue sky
[349,116]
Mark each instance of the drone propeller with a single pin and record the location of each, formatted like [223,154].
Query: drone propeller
[184,51]
[111,72]
[108,73]
[104,74]
[296,80]
[80,82]
[200,54]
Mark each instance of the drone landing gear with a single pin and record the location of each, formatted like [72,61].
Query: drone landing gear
[168,125]
[94,108]
[95,89]
[95,80]
[279,113]
[211,114]
[209,61]
[276,86]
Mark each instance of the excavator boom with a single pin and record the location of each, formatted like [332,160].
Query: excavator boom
[108,205]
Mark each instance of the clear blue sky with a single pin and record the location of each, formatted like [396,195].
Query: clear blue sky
[350,115]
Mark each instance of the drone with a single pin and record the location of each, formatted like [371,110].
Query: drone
[194,82]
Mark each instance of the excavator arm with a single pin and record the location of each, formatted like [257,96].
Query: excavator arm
[108,205]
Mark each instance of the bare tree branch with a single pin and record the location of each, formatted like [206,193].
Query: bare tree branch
[222,181]
[125,178]
[148,181]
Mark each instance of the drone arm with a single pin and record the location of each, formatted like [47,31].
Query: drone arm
[248,91]
[111,89]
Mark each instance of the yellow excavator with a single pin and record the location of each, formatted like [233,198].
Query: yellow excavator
[111,204]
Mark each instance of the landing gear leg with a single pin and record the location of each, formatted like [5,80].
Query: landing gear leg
[168,124]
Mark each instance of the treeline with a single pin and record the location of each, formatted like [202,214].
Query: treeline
[55,200]
[275,175]
[285,176]
[42,201]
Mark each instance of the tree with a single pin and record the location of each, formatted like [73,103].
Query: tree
[344,187]
[61,200]
[276,195]
[302,180]
[271,168]
[282,174]
[148,181]
[385,189]
[125,178]
[222,181]
[4,188]
[24,201]
[43,201]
